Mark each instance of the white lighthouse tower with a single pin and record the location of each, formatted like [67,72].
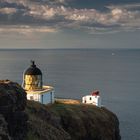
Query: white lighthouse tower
[33,84]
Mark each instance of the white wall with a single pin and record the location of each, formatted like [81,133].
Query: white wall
[89,99]
[47,98]
[34,97]
[43,98]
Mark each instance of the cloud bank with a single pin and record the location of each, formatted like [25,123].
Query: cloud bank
[28,16]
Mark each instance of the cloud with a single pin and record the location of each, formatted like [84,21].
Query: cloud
[26,30]
[8,10]
[117,18]
[43,15]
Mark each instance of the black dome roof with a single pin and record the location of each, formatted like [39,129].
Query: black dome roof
[33,70]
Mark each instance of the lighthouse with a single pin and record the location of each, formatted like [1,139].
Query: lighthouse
[33,85]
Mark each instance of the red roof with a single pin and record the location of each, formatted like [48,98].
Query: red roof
[95,93]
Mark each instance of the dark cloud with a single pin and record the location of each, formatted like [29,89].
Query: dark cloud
[90,15]
[97,4]
[11,5]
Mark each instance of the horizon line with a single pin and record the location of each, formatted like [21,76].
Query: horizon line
[69,48]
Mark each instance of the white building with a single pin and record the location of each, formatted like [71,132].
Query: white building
[33,84]
[94,99]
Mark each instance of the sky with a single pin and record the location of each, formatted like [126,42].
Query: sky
[69,24]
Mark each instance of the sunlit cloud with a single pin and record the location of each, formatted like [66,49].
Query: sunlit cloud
[48,15]
[26,30]
[8,10]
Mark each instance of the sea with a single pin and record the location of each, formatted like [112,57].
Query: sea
[77,72]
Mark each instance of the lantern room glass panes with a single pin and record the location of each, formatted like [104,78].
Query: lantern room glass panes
[33,82]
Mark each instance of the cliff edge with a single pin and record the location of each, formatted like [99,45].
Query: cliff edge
[28,120]
[71,122]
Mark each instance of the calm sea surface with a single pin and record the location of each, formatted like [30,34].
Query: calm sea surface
[75,73]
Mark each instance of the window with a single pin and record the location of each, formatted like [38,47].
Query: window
[31,97]
[90,98]
[42,99]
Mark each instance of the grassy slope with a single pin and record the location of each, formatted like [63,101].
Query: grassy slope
[70,122]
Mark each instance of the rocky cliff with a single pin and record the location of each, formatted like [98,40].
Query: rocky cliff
[71,122]
[13,119]
[28,120]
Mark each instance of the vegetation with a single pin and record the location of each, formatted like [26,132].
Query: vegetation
[70,122]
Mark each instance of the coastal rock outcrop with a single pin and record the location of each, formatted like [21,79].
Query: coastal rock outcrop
[29,120]
[71,122]
[13,119]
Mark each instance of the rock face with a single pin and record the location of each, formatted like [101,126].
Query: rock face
[71,122]
[4,135]
[13,119]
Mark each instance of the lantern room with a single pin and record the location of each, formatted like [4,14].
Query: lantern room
[32,78]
